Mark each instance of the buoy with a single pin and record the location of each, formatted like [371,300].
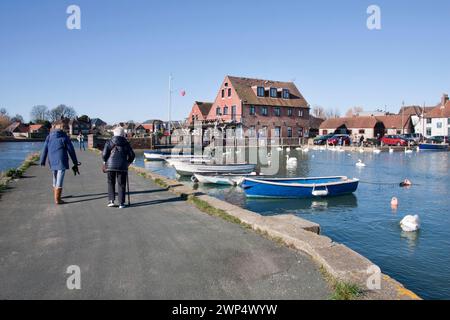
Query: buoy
[410,223]
[406,183]
[394,202]
[360,163]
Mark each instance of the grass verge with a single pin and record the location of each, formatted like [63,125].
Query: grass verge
[341,290]
[19,172]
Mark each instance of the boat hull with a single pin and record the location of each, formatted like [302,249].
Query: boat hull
[299,188]
[188,169]
[433,147]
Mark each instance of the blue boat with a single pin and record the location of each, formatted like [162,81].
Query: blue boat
[433,147]
[292,188]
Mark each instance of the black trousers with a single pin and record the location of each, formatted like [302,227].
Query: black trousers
[121,178]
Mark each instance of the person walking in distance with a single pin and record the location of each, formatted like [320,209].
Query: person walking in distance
[57,148]
[117,157]
[80,139]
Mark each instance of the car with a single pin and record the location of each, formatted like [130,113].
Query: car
[394,140]
[339,139]
[409,138]
[438,139]
[417,137]
[321,140]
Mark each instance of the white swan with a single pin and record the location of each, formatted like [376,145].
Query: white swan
[279,149]
[305,150]
[361,150]
[391,150]
[410,223]
[407,151]
[291,162]
[360,163]
[376,151]
[288,149]
[298,148]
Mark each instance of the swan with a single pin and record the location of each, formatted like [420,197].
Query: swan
[291,162]
[408,151]
[340,150]
[391,150]
[279,149]
[361,150]
[410,223]
[376,151]
[298,148]
[360,163]
[306,150]
[288,149]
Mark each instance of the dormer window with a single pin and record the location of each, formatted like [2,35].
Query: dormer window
[273,92]
[260,91]
[286,94]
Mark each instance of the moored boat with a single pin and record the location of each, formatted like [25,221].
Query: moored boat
[289,188]
[188,168]
[434,146]
[155,155]
[223,179]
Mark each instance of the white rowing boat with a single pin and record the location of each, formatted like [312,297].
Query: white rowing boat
[188,168]
[224,179]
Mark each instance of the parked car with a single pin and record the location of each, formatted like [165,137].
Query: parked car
[417,137]
[339,139]
[321,140]
[410,139]
[394,140]
[438,139]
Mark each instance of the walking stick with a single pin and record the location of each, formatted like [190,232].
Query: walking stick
[128,188]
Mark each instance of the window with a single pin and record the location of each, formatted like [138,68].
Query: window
[252,110]
[300,113]
[225,110]
[251,131]
[233,112]
[273,92]
[277,131]
[289,112]
[223,93]
[428,132]
[362,131]
[428,120]
[229,92]
[286,94]
[300,132]
[263,132]
[448,133]
[439,125]
[277,111]
[448,121]
[260,91]
[218,111]
[289,132]
[264,111]
[324,132]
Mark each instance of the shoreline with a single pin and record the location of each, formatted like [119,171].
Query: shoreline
[338,262]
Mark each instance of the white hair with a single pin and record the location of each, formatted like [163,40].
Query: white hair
[119,132]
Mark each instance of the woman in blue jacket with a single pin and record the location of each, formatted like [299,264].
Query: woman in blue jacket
[57,148]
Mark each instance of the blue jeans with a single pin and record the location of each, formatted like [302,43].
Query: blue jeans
[58,178]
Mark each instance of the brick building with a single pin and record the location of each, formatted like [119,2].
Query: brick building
[256,107]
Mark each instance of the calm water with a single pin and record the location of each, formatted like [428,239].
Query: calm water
[12,154]
[365,221]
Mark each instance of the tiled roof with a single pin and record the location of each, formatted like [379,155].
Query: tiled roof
[35,127]
[439,111]
[391,122]
[204,107]
[246,92]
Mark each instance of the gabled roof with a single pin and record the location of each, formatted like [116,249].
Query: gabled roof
[440,111]
[17,127]
[389,122]
[35,127]
[204,107]
[414,110]
[245,88]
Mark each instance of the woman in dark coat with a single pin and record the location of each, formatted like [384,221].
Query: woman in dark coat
[117,157]
[58,148]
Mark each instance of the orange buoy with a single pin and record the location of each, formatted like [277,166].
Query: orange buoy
[394,202]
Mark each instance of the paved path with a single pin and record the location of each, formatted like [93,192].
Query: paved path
[160,248]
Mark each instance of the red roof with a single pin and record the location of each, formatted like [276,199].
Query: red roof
[35,127]
[389,122]
[440,111]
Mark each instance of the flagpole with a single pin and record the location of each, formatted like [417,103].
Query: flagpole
[170,109]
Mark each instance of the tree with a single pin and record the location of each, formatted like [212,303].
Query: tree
[319,112]
[84,118]
[333,113]
[3,112]
[17,118]
[5,121]
[40,113]
[62,111]
[355,111]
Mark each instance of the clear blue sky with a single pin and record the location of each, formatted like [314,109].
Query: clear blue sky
[117,66]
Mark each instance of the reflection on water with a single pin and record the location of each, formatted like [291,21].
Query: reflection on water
[365,221]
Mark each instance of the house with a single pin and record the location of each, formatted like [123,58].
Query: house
[434,121]
[368,126]
[314,125]
[97,123]
[73,126]
[18,130]
[153,125]
[256,108]
[199,112]
[140,130]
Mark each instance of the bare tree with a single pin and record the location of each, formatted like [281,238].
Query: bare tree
[333,113]
[62,111]
[5,121]
[319,112]
[3,112]
[17,118]
[355,111]
[40,113]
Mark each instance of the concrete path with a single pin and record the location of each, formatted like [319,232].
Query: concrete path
[160,248]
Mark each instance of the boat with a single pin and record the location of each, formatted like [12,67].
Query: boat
[188,159]
[433,146]
[155,155]
[290,188]
[223,179]
[188,168]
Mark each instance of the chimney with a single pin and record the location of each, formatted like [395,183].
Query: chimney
[444,100]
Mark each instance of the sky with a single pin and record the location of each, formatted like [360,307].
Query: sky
[118,65]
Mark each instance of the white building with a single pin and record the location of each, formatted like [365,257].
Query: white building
[435,122]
